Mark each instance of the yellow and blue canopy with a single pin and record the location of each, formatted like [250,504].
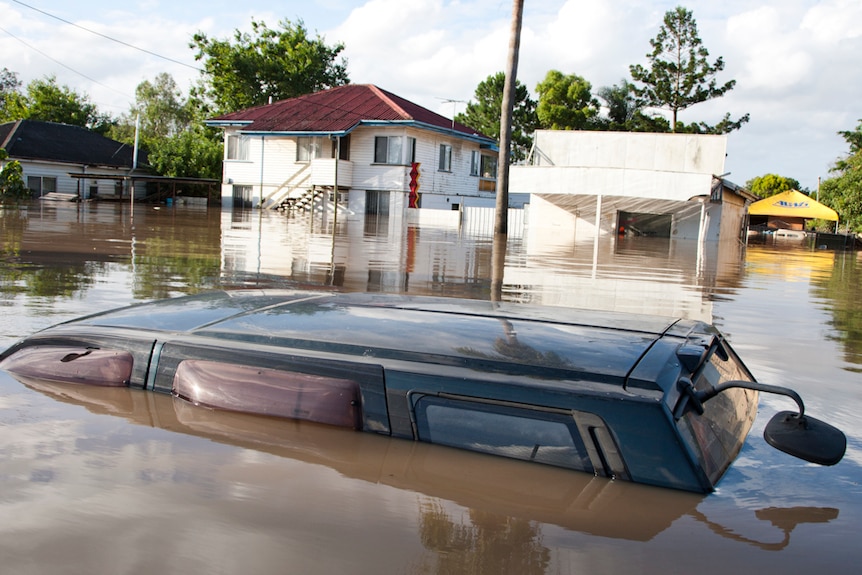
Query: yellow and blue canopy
[792,204]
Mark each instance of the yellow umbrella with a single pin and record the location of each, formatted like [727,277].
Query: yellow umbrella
[792,204]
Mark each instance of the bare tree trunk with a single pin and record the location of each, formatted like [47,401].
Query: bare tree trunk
[501,221]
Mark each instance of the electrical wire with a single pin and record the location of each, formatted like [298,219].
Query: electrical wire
[35,49]
[108,37]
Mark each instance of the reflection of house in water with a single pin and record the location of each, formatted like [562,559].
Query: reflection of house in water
[647,275]
[634,222]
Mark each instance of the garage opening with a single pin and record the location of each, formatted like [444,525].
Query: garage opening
[633,224]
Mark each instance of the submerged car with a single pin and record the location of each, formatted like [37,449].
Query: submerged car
[648,399]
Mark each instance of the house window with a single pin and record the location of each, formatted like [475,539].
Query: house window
[309,148]
[445,163]
[474,163]
[488,167]
[394,150]
[237,148]
[344,148]
[41,185]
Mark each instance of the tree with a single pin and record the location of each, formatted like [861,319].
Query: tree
[171,130]
[566,102]
[679,74]
[9,88]
[483,114]
[12,188]
[843,192]
[625,114]
[193,153]
[771,184]
[46,101]
[160,110]
[267,64]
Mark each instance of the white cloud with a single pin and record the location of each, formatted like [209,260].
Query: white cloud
[831,22]
[795,61]
[774,56]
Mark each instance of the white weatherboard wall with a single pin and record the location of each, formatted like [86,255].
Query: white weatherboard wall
[271,164]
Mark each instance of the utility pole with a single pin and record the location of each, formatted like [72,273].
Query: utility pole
[501,221]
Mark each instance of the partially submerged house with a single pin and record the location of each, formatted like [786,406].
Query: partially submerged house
[586,184]
[381,153]
[70,160]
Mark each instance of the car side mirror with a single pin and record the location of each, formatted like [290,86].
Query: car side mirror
[804,437]
[796,434]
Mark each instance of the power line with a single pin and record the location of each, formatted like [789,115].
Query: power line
[107,37]
[62,64]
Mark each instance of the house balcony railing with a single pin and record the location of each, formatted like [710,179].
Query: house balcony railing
[323,172]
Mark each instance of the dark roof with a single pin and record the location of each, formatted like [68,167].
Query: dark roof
[340,110]
[48,141]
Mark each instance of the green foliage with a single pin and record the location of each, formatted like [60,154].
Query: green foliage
[9,89]
[46,101]
[854,138]
[843,192]
[483,114]
[193,153]
[252,68]
[624,113]
[679,74]
[171,131]
[566,102]
[771,184]
[12,188]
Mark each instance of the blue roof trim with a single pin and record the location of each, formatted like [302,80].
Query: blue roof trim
[227,123]
[432,128]
[297,134]
[483,141]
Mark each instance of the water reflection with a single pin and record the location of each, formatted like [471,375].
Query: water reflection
[502,529]
[210,490]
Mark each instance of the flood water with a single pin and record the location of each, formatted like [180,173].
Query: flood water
[123,481]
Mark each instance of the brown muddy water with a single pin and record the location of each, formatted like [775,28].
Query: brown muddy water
[124,481]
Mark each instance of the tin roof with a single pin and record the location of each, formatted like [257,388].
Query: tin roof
[339,110]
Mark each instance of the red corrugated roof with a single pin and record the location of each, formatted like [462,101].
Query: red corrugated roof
[338,110]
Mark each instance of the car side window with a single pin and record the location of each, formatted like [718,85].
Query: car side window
[514,432]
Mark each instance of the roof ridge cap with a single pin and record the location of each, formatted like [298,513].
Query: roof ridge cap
[383,95]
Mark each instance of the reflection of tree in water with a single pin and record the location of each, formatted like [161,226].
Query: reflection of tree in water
[843,287]
[510,347]
[490,543]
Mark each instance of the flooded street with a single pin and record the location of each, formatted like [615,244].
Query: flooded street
[96,480]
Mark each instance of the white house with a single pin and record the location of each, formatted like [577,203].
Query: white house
[585,184]
[70,160]
[391,154]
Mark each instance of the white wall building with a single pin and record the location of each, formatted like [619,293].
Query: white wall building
[584,184]
[70,160]
[392,154]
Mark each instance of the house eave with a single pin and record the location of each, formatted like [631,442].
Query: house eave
[483,141]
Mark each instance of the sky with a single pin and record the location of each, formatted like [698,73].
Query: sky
[797,63]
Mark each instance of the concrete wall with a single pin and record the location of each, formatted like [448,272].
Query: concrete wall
[684,153]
